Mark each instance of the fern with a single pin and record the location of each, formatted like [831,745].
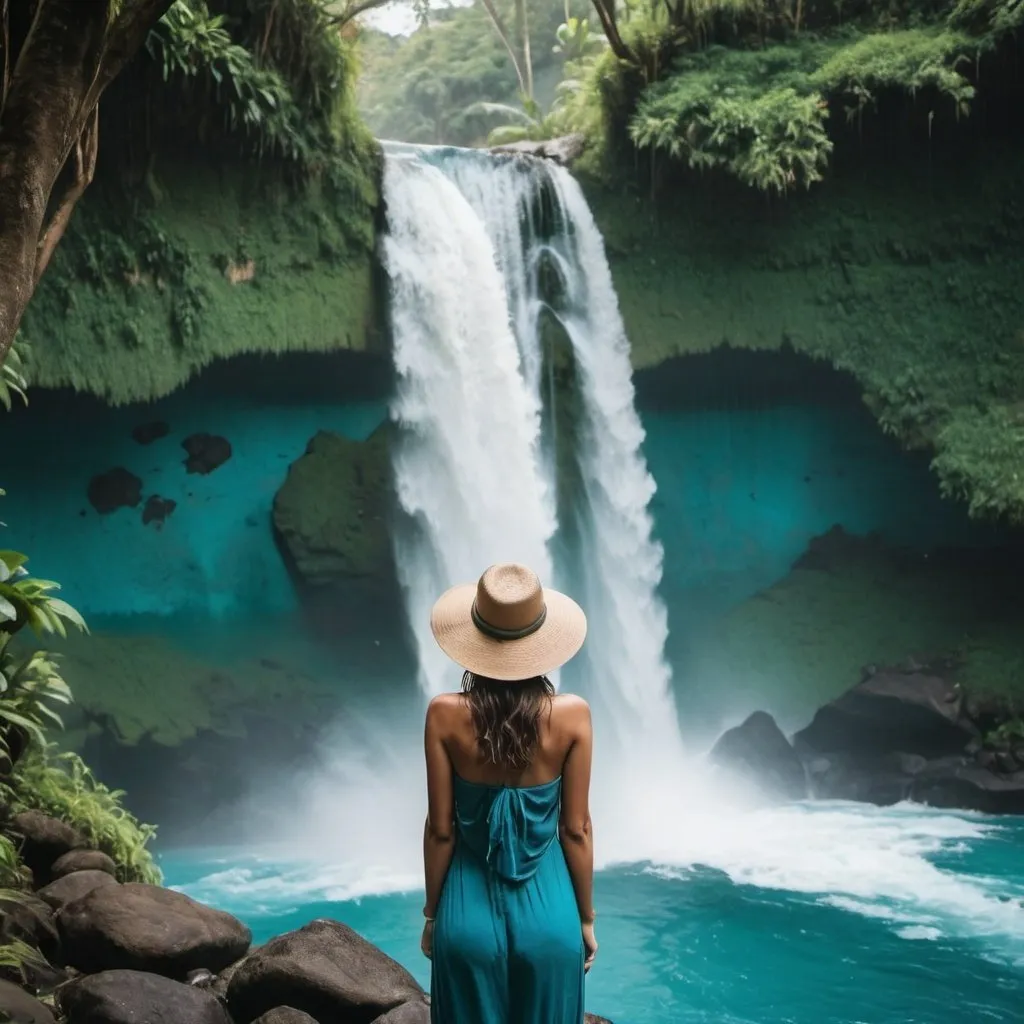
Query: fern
[62,786]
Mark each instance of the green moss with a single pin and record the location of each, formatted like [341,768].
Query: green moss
[146,290]
[903,271]
[807,639]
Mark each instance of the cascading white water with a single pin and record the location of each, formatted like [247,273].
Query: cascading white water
[467,465]
[462,228]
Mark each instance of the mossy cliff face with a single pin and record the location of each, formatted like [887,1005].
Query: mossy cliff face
[903,270]
[152,284]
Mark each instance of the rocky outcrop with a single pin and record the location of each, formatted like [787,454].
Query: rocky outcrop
[903,733]
[324,969]
[407,1013]
[564,150]
[911,710]
[148,928]
[758,752]
[331,513]
[134,997]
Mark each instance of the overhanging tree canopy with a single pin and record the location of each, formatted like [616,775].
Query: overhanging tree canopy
[57,57]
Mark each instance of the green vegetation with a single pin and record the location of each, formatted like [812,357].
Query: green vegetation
[903,271]
[33,776]
[170,262]
[62,786]
[453,80]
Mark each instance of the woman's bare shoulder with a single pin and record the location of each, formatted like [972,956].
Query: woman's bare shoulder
[571,711]
[446,707]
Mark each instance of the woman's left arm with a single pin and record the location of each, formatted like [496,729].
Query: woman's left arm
[439,831]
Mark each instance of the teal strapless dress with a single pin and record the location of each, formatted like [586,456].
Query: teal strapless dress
[507,942]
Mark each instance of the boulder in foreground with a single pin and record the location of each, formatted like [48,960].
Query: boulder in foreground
[408,1013]
[325,969]
[135,997]
[62,891]
[285,1015]
[83,860]
[19,1007]
[148,928]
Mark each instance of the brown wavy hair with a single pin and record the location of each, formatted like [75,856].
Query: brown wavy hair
[506,717]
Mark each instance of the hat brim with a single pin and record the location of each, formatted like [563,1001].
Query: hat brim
[556,642]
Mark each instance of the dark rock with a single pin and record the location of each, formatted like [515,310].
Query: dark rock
[759,753]
[114,489]
[147,433]
[408,1013]
[157,509]
[1005,762]
[220,985]
[954,783]
[565,150]
[63,891]
[82,860]
[44,840]
[893,710]
[325,969]
[205,452]
[201,978]
[18,1007]
[289,1015]
[592,1018]
[30,920]
[134,997]
[148,928]
[877,780]
[331,512]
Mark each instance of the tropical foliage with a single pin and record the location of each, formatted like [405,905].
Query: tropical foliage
[62,786]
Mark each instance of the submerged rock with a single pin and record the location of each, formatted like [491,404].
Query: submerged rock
[324,969]
[758,753]
[31,920]
[148,928]
[135,997]
[117,488]
[147,433]
[157,509]
[206,452]
[331,512]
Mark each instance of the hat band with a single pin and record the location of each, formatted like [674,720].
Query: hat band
[497,633]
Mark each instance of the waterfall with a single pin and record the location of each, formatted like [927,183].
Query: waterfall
[467,464]
[471,247]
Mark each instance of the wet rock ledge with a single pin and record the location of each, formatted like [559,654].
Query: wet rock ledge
[113,953]
[904,732]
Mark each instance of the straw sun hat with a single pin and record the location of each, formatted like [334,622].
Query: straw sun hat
[506,626]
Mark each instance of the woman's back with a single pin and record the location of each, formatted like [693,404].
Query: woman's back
[559,726]
[508,905]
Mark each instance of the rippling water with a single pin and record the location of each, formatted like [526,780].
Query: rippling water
[810,914]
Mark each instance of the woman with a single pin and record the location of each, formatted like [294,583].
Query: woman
[509,908]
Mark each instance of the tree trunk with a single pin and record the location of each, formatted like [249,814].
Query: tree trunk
[73,50]
[606,14]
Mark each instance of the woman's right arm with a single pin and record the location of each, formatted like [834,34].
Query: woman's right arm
[575,827]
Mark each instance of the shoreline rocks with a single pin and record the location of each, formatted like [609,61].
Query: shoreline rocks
[132,953]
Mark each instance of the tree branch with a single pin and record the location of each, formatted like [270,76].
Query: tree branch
[124,39]
[354,10]
[499,27]
[86,149]
[606,14]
